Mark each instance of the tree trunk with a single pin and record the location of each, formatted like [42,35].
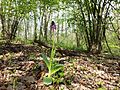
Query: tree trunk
[77,39]
[14,28]
[2,17]
[35,26]
[41,23]
[26,29]
[47,17]
[96,13]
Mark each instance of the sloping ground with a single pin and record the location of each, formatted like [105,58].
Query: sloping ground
[21,68]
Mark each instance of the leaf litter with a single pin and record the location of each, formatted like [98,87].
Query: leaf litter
[22,68]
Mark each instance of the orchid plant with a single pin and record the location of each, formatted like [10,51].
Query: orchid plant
[52,66]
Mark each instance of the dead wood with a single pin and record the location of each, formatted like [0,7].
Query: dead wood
[63,52]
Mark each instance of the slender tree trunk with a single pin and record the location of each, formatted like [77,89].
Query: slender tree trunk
[2,17]
[41,23]
[47,18]
[77,38]
[14,28]
[26,29]
[45,28]
[35,26]
[85,28]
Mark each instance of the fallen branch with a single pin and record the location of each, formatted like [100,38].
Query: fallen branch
[63,52]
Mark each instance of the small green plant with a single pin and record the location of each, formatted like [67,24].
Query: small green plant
[52,66]
[58,78]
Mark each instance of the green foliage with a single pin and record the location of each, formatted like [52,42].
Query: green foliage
[47,80]
[67,42]
[113,43]
[29,42]
[58,78]
[52,66]
[18,8]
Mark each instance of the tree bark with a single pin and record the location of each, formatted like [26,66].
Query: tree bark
[41,25]
[35,26]
[2,17]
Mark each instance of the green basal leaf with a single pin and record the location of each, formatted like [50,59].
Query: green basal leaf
[46,60]
[56,68]
[47,80]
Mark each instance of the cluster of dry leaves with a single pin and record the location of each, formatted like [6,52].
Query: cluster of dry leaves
[21,68]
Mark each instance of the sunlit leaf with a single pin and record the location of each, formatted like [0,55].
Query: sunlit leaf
[47,80]
[46,60]
[56,68]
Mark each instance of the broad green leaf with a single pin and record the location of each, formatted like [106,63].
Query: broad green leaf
[47,80]
[46,60]
[56,68]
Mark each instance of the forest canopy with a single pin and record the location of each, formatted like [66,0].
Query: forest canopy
[92,25]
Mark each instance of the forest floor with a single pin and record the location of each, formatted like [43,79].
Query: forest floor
[22,68]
